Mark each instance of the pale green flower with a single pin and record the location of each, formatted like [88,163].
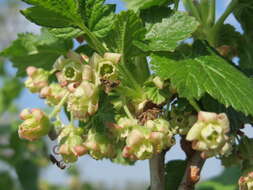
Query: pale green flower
[37,79]
[246,183]
[35,125]
[210,134]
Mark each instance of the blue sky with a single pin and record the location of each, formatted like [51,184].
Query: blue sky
[106,171]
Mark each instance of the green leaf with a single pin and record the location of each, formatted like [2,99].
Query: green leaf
[28,174]
[154,15]
[143,4]
[45,17]
[10,90]
[97,16]
[207,74]
[212,185]
[66,33]
[227,180]
[36,50]
[6,181]
[243,13]
[228,36]
[127,28]
[67,9]
[174,172]
[166,35]
[104,115]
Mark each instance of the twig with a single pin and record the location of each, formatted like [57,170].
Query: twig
[192,172]
[157,172]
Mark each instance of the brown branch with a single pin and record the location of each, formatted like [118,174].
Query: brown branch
[192,172]
[157,172]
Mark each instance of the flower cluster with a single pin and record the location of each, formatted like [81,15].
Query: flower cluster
[139,127]
[246,182]
[143,141]
[210,134]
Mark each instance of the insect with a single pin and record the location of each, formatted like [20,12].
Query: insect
[59,164]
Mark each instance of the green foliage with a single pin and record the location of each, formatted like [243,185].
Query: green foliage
[227,180]
[6,181]
[175,170]
[166,35]
[97,17]
[104,116]
[127,28]
[140,4]
[66,11]
[36,50]
[243,13]
[8,93]
[66,33]
[207,74]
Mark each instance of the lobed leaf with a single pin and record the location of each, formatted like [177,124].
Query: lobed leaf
[36,50]
[127,28]
[207,74]
[165,35]
[140,4]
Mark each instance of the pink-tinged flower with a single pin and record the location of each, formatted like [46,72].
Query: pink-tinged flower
[83,102]
[210,134]
[35,125]
[53,94]
[71,143]
[246,182]
[37,79]
[99,145]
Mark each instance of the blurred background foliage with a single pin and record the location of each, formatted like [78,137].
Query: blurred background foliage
[21,162]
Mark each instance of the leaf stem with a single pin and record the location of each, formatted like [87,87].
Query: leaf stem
[192,8]
[128,112]
[211,14]
[57,109]
[97,44]
[176,5]
[220,22]
[195,105]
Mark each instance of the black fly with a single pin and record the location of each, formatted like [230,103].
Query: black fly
[59,164]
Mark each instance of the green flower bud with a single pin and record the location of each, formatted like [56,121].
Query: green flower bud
[182,123]
[37,79]
[36,124]
[246,182]
[71,144]
[53,94]
[161,136]
[209,134]
[84,101]
[99,145]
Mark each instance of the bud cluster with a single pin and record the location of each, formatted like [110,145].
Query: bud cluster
[138,129]
[246,182]
[143,141]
